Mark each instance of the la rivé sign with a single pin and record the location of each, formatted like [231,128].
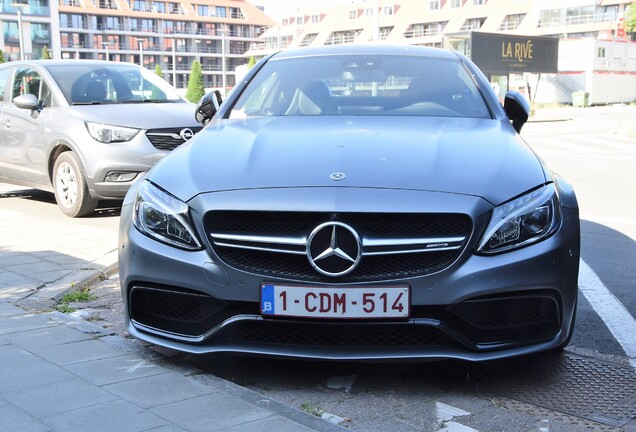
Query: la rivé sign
[500,54]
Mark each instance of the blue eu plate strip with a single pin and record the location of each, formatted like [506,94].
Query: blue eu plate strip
[267,300]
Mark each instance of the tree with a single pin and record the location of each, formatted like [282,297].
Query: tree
[195,83]
[630,18]
[2,60]
[158,71]
[45,53]
[251,62]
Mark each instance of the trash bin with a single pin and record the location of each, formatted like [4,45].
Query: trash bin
[580,99]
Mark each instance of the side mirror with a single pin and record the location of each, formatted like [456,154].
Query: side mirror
[207,107]
[517,108]
[27,101]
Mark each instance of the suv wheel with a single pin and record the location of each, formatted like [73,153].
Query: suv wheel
[69,184]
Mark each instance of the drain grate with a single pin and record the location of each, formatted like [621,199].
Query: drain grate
[579,386]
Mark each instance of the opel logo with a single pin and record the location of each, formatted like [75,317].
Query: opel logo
[186,134]
[337,176]
[334,249]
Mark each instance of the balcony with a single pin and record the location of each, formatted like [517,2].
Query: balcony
[422,32]
[578,20]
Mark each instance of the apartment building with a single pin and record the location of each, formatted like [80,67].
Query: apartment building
[171,34]
[450,23]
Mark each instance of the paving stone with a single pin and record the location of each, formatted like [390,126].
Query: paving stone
[45,337]
[21,323]
[211,413]
[77,352]
[14,419]
[108,417]
[13,355]
[159,390]
[32,373]
[59,397]
[115,370]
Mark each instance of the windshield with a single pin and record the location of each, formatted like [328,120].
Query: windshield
[362,85]
[94,83]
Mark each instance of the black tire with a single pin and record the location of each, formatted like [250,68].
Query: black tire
[69,185]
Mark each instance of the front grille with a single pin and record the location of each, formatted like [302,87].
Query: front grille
[288,260]
[168,138]
[178,312]
[334,335]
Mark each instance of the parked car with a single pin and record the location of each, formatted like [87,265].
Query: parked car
[354,203]
[84,129]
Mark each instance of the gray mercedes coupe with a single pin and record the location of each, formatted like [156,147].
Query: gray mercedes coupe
[354,202]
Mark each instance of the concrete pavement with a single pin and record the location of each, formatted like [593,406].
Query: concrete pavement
[59,373]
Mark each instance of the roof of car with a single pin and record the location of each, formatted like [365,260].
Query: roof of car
[353,49]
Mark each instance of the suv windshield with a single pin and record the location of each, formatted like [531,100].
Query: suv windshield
[362,85]
[87,84]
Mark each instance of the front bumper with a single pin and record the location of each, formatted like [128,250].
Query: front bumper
[480,308]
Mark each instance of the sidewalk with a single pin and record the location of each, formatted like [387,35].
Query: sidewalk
[58,373]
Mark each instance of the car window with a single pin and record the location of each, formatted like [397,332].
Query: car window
[362,85]
[95,83]
[4,76]
[26,80]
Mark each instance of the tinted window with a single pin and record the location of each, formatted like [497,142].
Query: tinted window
[362,85]
[95,84]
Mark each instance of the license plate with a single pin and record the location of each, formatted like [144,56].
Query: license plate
[334,302]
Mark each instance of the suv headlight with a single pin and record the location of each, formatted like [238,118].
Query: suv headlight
[163,217]
[522,221]
[108,134]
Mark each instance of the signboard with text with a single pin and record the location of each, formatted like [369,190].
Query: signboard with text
[503,54]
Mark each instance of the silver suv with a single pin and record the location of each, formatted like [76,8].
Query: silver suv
[86,129]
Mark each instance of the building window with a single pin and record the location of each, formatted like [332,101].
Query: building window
[203,10]
[511,22]
[600,52]
[385,32]
[236,13]
[473,24]
[300,20]
[159,7]
[353,14]
[479,2]
[308,39]
[342,37]
[433,5]
[220,12]
[456,3]
[388,10]
[315,18]
[369,13]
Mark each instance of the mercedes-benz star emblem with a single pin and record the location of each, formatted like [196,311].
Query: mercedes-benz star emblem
[334,249]
[337,176]
[186,134]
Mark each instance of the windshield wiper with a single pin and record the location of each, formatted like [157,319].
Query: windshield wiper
[89,103]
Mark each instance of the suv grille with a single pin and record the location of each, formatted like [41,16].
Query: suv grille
[394,246]
[169,138]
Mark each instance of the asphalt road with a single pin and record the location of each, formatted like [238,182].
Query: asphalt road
[590,387]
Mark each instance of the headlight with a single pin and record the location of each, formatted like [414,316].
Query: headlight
[108,134]
[163,217]
[523,221]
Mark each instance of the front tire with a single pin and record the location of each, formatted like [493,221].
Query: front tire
[69,185]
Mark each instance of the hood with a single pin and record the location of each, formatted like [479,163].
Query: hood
[479,157]
[138,115]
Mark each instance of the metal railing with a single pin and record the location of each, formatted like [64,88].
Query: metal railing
[578,20]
